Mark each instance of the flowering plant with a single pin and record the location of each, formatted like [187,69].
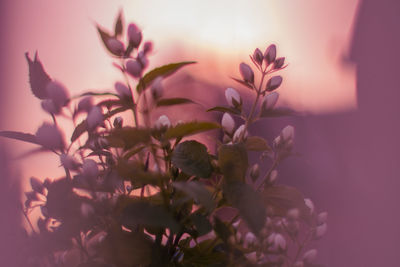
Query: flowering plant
[146,194]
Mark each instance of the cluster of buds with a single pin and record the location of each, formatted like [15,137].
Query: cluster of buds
[283,143]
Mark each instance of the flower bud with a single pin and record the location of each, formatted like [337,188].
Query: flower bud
[86,210]
[272,177]
[239,134]
[157,88]
[279,62]
[293,214]
[309,204]
[134,35]
[232,97]
[310,256]
[69,162]
[270,54]
[58,93]
[322,217]
[250,239]
[246,72]
[280,242]
[118,121]
[255,172]
[49,136]
[36,185]
[147,47]
[116,46]
[49,106]
[269,101]
[122,90]
[274,83]
[162,122]
[142,59]
[90,168]
[85,104]
[95,118]
[320,230]
[258,56]
[133,68]
[227,122]
[287,133]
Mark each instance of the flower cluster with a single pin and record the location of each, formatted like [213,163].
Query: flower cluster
[146,194]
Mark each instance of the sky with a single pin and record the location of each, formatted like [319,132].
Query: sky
[313,35]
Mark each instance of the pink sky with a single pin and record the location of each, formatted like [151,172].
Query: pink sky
[313,35]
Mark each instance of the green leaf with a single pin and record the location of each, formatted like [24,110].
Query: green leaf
[97,94]
[163,71]
[222,230]
[233,162]
[201,223]
[146,214]
[192,158]
[26,137]
[225,109]
[248,202]
[198,192]
[105,37]
[256,143]
[189,128]
[277,112]
[173,101]
[243,83]
[283,198]
[128,137]
[118,25]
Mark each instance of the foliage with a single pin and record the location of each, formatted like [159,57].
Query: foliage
[146,194]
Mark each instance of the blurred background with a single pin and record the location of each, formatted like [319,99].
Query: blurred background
[342,77]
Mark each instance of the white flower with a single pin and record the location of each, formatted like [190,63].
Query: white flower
[162,122]
[90,168]
[239,133]
[49,136]
[122,90]
[69,162]
[270,100]
[309,204]
[322,217]
[134,35]
[310,256]
[276,241]
[134,68]
[95,118]
[116,46]
[57,92]
[232,97]
[227,122]
[157,88]
[320,231]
